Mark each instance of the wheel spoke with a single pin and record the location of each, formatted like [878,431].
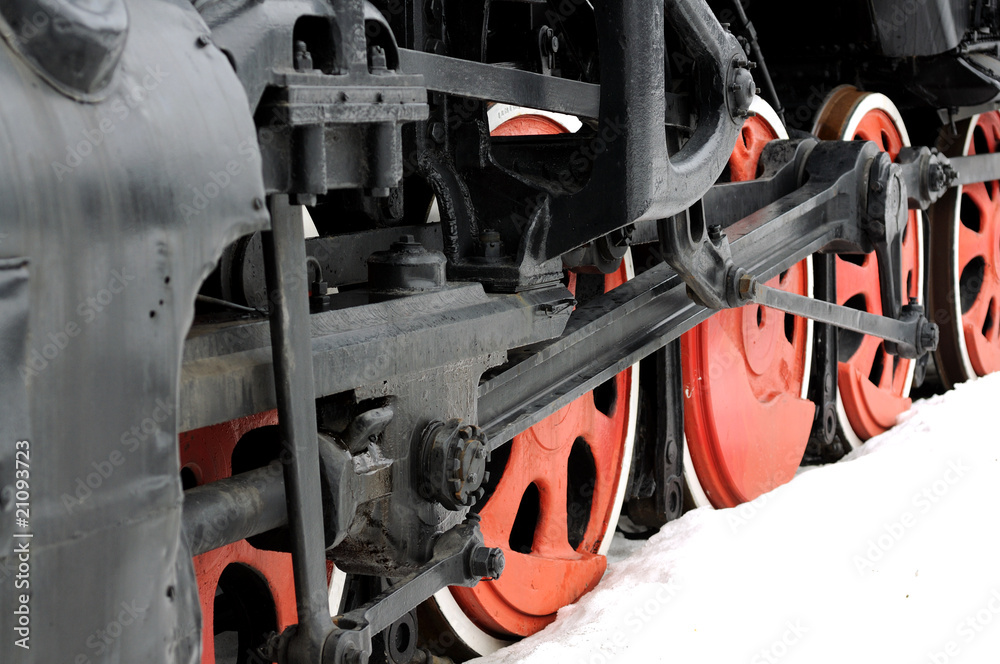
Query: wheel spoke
[551,532]
[547,573]
[971,245]
[977,193]
[853,280]
[872,382]
[497,515]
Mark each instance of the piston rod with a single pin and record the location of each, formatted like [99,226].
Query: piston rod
[226,511]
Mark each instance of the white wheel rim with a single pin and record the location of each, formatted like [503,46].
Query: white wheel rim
[970,372]
[873,101]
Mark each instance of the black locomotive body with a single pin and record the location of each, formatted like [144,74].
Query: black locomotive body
[288,287]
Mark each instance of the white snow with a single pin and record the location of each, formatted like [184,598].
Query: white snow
[891,555]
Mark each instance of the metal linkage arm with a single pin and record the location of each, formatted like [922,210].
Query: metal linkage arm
[927,173]
[285,268]
[976,168]
[910,336]
[460,559]
[479,80]
[614,330]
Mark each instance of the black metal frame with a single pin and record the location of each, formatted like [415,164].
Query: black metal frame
[310,99]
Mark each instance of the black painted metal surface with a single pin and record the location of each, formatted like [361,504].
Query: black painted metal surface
[124,179]
[291,353]
[122,206]
[227,368]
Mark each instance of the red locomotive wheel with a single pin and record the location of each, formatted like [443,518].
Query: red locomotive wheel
[965,287]
[874,386]
[529,125]
[242,589]
[245,593]
[558,498]
[746,370]
[556,504]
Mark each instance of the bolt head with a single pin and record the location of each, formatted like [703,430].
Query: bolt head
[437,132]
[741,89]
[487,562]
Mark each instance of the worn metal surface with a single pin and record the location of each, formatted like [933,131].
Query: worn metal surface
[235,508]
[291,354]
[75,48]
[927,28]
[343,260]
[459,559]
[227,368]
[121,209]
[503,84]
[656,492]
[911,334]
[613,331]
[976,168]
[335,102]
[824,444]
[14,307]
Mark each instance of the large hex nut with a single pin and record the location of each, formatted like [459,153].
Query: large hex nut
[453,463]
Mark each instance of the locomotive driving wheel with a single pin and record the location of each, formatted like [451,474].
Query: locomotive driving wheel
[873,386]
[245,592]
[554,507]
[746,372]
[965,266]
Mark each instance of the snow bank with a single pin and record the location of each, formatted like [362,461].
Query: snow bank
[892,555]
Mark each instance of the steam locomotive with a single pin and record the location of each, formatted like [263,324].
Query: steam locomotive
[344,331]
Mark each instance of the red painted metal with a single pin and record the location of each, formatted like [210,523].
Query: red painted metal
[535,585]
[980,238]
[207,453]
[529,125]
[745,421]
[873,384]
